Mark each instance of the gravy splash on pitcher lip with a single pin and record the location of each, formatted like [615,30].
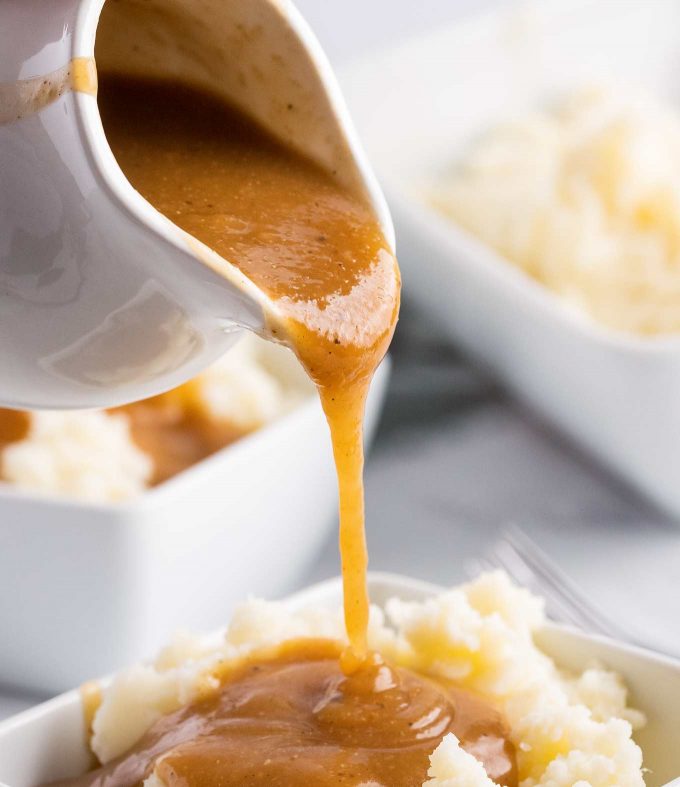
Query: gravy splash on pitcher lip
[26,97]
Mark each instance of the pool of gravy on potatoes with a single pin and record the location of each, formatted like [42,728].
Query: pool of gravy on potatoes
[307,712]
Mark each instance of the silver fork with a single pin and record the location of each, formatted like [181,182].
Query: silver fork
[520,557]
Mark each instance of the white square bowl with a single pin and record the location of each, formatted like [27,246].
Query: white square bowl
[416,105]
[85,588]
[48,742]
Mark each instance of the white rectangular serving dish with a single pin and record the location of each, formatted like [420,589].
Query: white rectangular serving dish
[85,588]
[48,742]
[416,105]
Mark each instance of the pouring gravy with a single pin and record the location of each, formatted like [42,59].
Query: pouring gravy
[307,713]
[313,247]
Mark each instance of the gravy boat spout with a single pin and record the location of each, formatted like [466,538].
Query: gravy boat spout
[103,300]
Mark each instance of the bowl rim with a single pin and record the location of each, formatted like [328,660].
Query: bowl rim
[395,583]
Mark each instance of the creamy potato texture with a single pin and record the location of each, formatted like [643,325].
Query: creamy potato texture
[567,729]
[584,197]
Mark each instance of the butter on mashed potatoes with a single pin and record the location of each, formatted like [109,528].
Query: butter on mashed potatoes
[585,198]
[567,729]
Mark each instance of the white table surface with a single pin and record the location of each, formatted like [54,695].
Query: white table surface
[456,460]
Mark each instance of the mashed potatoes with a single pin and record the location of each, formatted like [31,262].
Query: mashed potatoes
[93,456]
[585,198]
[87,455]
[567,729]
[254,383]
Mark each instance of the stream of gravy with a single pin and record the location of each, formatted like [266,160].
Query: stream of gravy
[313,247]
[309,713]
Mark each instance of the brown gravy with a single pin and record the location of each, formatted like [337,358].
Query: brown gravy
[315,248]
[14,426]
[297,719]
[302,716]
[175,432]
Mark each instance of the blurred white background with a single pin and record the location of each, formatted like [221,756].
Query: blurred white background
[350,27]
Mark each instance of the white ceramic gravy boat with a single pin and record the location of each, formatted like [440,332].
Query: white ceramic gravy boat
[103,300]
